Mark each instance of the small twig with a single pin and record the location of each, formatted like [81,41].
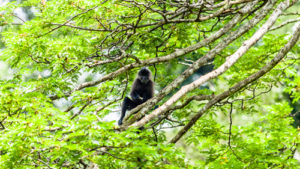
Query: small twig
[44,163]
[45,62]
[171,127]
[64,24]
[154,132]
[292,13]
[230,126]
[2,125]
[105,152]
[15,15]
[69,108]
[230,133]
[83,107]
[285,23]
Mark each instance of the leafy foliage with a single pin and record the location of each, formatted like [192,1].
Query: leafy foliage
[49,119]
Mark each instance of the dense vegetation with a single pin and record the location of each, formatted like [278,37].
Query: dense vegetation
[226,78]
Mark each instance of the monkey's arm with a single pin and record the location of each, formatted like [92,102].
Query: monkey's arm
[146,96]
[148,93]
[135,96]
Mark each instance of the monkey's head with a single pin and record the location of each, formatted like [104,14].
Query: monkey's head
[144,75]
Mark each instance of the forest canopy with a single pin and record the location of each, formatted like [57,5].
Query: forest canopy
[225,73]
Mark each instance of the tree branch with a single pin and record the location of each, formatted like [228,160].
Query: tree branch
[64,24]
[177,53]
[283,51]
[231,60]
[200,62]
[285,23]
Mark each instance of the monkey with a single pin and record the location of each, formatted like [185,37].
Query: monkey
[141,91]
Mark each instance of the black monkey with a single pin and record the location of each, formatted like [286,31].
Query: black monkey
[141,91]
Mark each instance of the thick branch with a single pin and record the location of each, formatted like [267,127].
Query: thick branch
[231,60]
[241,84]
[200,62]
[177,53]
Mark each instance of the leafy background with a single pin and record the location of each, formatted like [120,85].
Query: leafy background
[36,64]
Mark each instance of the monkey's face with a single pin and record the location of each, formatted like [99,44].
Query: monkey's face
[144,75]
[144,79]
